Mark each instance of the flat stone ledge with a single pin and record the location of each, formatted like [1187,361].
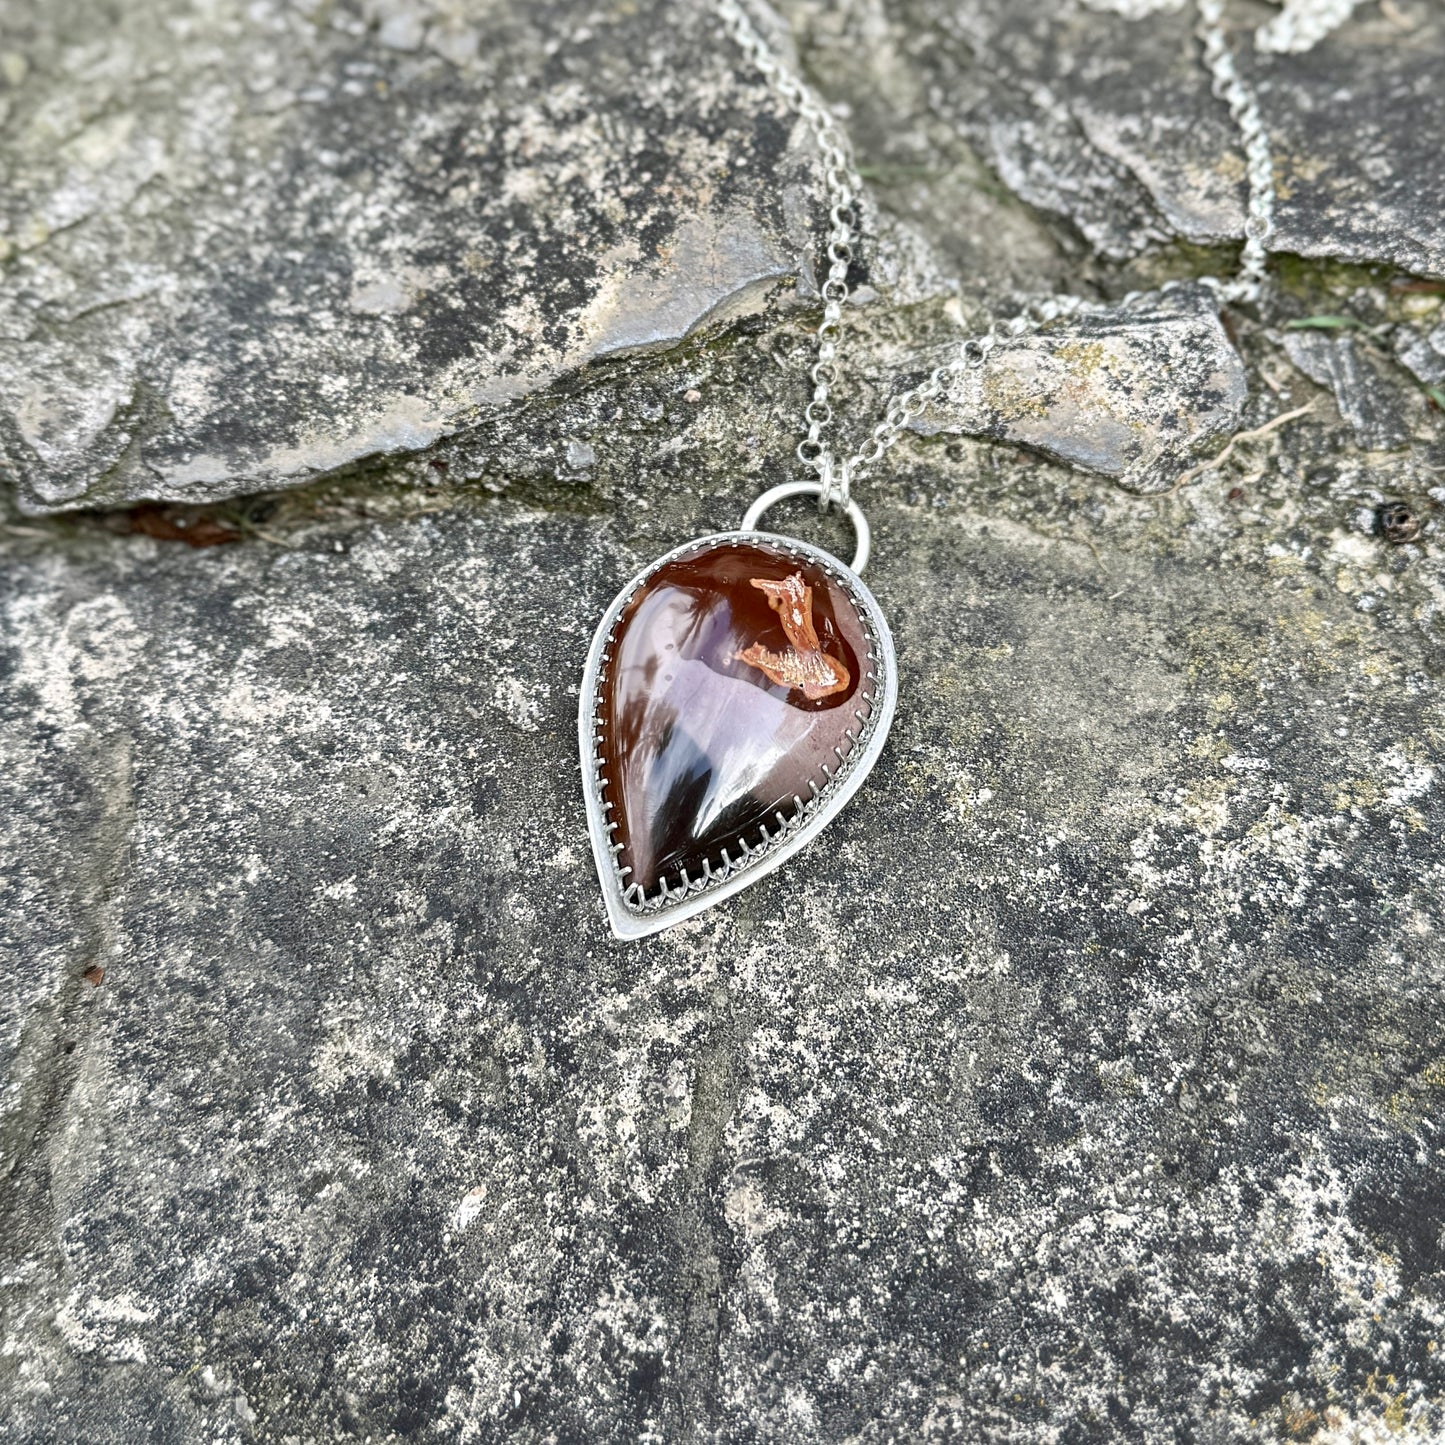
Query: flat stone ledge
[1130,393]
[249,245]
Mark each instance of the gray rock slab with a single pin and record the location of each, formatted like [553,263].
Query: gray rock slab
[1109,122]
[1086,1081]
[251,243]
[1369,401]
[1128,393]
[1423,354]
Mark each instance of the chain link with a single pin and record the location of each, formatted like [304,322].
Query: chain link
[843,189]
[1259,165]
[1301,23]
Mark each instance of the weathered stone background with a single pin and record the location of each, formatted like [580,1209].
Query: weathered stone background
[1086,1084]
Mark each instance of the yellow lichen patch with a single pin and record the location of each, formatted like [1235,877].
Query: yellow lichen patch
[1091,366]
[1316,640]
[1419,1097]
[1417,750]
[1209,747]
[1083,357]
[1118,1076]
[1230,166]
[1221,654]
[1012,397]
[1292,168]
[914,781]
[1205,805]
[1297,1420]
[1358,793]
[1305,625]
[1395,1412]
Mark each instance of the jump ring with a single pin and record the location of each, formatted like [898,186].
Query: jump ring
[851,509]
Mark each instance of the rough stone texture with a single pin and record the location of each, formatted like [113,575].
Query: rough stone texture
[1091,1074]
[1365,397]
[245,246]
[1086,1084]
[1110,122]
[1128,393]
[1424,355]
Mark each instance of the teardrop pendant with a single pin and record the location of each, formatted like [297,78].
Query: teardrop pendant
[737,693]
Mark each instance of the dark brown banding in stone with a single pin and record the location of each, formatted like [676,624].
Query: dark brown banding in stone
[700,747]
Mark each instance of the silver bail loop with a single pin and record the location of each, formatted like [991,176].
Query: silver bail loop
[861,530]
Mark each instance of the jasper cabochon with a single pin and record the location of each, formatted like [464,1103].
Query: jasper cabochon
[739,680]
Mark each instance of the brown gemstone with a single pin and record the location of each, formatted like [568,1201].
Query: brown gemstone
[736,673]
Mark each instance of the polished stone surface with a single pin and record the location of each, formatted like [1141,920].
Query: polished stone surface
[736,675]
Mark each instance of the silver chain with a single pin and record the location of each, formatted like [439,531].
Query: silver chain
[1301,23]
[843,186]
[1258,164]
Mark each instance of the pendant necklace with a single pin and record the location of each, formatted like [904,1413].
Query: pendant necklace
[739,689]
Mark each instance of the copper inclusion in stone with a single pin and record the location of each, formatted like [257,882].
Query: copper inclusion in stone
[736,674]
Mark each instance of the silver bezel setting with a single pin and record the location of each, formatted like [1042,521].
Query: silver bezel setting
[632,919]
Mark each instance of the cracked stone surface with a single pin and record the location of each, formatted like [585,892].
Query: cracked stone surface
[246,246]
[1109,122]
[1365,397]
[1106,392]
[1086,1084]
[311,236]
